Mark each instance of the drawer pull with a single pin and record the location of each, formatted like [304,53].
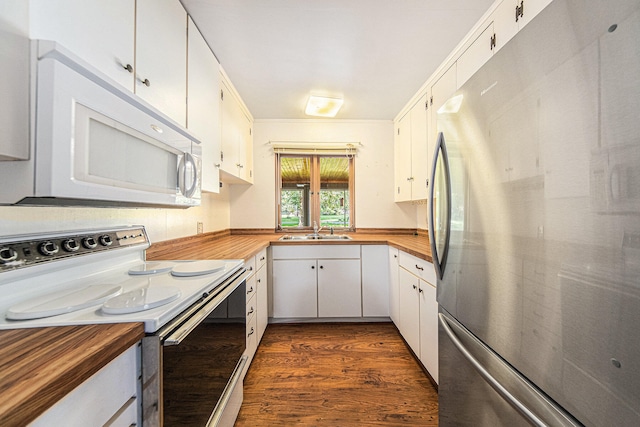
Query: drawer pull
[250,312]
[419,268]
[250,290]
[251,333]
[262,259]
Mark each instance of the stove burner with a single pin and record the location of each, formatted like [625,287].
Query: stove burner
[197,268]
[57,303]
[151,267]
[141,299]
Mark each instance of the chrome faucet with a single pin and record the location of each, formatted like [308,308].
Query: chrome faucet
[315,228]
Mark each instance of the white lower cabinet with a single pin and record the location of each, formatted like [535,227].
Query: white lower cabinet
[418,309]
[256,303]
[375,281]
[339,292]
[317,281]
[295,288]
[394,285]
[109,397]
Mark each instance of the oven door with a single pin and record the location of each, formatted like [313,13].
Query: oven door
[192,368]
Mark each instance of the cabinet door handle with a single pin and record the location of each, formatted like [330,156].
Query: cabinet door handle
[262,259]
[128,67]
[258,280]
[415,287]
[250,290]
[251,333]
[420,290]
[321,266]
[250,312]
[419,268]
[313,267]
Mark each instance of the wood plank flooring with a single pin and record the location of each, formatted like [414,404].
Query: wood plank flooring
[328,374]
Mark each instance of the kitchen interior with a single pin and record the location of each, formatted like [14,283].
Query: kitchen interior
[166,198]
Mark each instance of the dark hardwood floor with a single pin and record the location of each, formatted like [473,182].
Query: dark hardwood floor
[328,374]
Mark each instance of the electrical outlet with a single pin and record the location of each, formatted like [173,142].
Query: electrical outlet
[200,227]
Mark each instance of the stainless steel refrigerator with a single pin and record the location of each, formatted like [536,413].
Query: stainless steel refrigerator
[535,226]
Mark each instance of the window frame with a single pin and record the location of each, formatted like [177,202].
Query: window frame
[315,187]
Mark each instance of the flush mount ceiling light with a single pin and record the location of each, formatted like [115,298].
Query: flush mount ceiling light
[323,106]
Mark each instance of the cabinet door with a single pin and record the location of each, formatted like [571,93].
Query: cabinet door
[339,293]
[203,108]
[394,290]
[429,328]
[402,159]
[100,32]
[409,310]
[479,52]
[295,288]
[161,56]
[420,165]
[231,139]
[375,280]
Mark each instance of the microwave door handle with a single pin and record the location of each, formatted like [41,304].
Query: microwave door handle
[187,166]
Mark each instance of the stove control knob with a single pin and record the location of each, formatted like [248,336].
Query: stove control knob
[8,254]
[48,248]
[89,242]
[105,240]
[70,245]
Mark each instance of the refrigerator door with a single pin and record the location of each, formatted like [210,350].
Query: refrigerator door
[501,396]
[544,242]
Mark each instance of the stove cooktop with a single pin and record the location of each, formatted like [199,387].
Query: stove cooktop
[110,284]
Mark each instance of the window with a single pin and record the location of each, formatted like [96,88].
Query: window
[315,189]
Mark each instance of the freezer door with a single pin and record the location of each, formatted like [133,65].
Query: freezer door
[483,390]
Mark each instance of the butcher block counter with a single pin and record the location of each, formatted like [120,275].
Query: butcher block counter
[232,245]
[39,366]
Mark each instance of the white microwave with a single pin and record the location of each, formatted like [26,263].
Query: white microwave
[96,144]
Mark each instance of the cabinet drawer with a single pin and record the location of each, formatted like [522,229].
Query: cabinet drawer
[261,259]
[316,251]
[251,307]
[251,287]
[98,399]
[421,268]
[250,265]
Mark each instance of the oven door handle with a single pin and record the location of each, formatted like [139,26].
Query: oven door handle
[176,331]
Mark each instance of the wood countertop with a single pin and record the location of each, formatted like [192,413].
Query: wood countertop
[39,366]
[244,246]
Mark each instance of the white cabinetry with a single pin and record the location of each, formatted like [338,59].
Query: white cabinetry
[375,280]
[394,289]
[161,56]
[419,310]
[236,155]
[100,32]
[139,44]
[109,397]
[411,150]
[295,288]
[316,281]
[256,303]
[203,107]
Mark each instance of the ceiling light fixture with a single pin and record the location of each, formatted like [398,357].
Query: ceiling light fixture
[322,106]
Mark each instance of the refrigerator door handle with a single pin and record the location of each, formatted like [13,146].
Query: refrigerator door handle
[439,262]
[556,415]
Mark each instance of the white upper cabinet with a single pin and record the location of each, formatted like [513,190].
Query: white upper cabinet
[100,32]
[411,152]
[140,44]
[203,107]
[236,155]
[476,54]
[161,56]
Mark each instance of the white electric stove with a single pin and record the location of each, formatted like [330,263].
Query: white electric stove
[99,276]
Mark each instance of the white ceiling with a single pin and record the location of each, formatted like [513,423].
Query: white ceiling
[374,53]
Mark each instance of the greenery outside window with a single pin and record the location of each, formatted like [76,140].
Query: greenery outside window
[315,189]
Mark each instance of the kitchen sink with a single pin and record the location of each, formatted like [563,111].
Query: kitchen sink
[315,237]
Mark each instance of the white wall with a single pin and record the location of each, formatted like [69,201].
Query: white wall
[161,224]
[255,207]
